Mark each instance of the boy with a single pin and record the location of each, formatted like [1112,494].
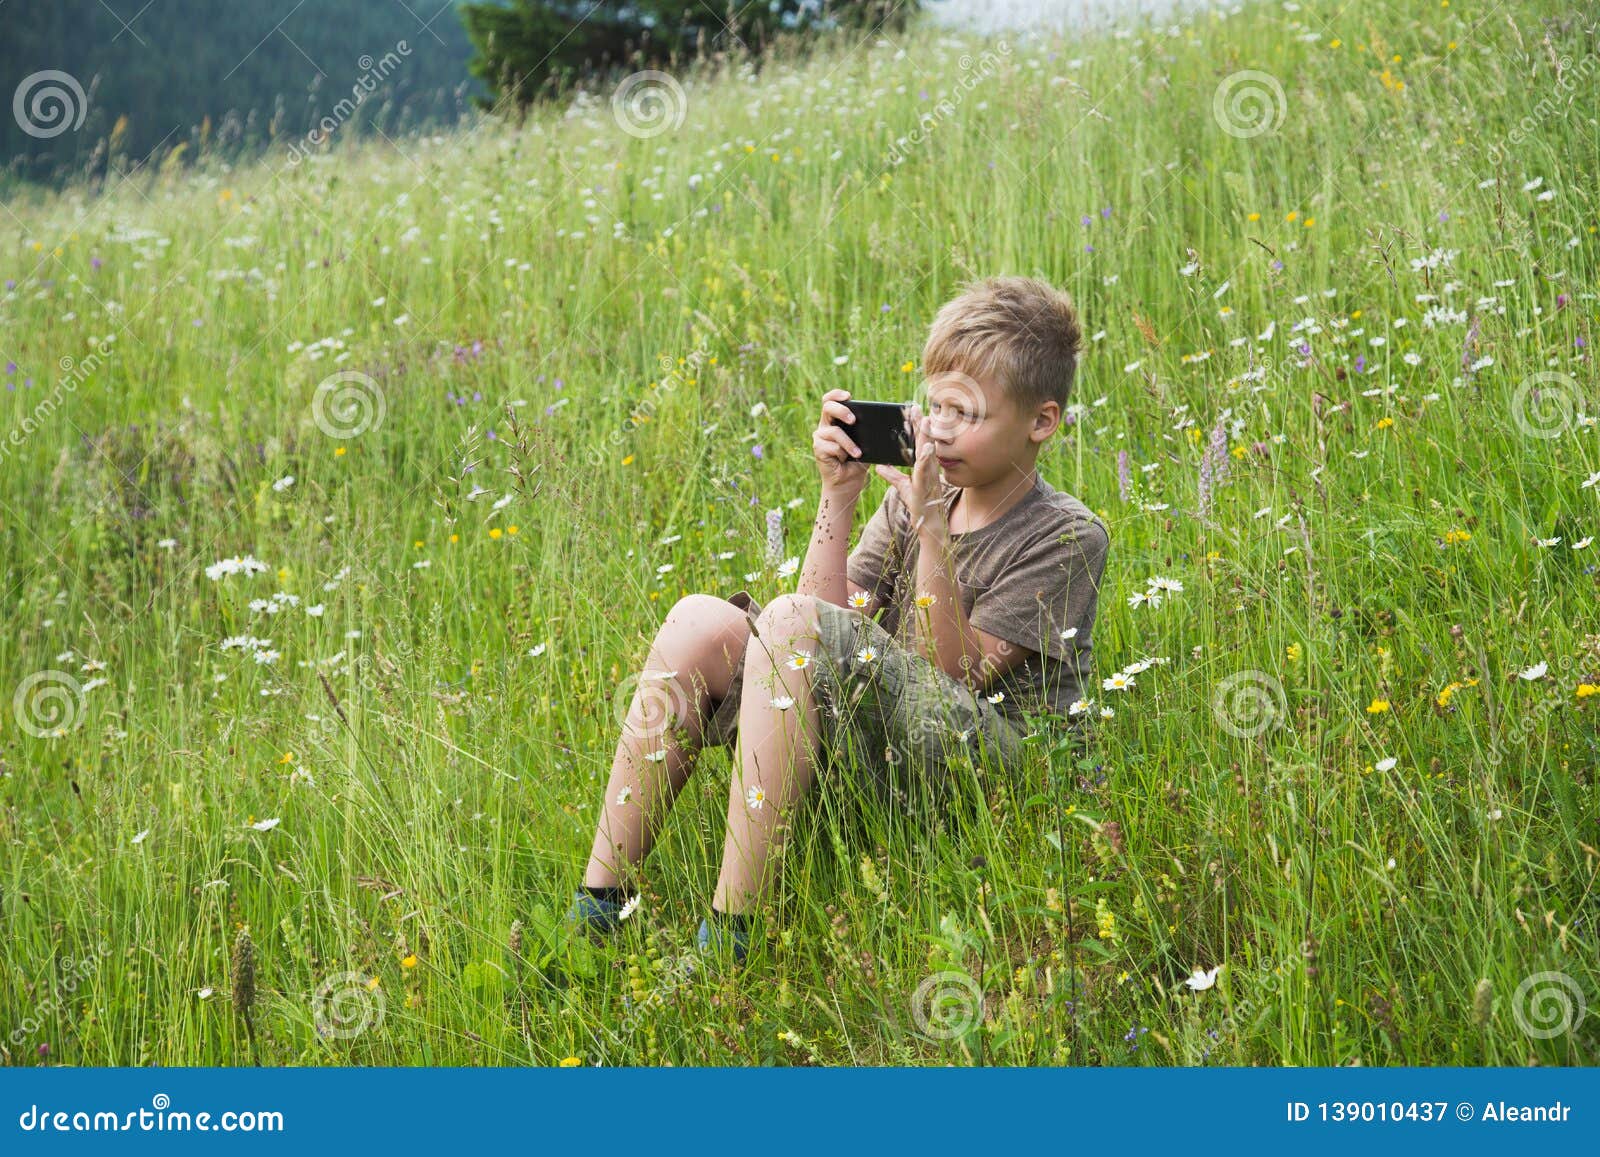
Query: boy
[987,577]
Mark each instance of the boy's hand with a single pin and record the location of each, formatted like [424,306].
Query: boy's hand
[836,454]
[919,488]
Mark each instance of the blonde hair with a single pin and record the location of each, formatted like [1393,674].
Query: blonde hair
[1018,331]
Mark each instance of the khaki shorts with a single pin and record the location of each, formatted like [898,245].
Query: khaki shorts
[893,724]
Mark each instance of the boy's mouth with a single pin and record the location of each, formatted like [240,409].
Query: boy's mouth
[949,462]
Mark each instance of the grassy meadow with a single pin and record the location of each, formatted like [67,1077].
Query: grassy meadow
[341,494]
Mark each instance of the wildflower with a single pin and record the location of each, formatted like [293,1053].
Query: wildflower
[496,532]
[926,600]
[755,797]
[1293,652]
[570,1062]
[1537,671]
[1069,633]
[1107,712]
[783,702]
[1377,707]
[283,483]
[1583,542]
[139,839]
[249,564]
[657,755]
[858,599]
[1202,979]
[625,794]
[410,961]
[866,655]
[1587,689]
[629,908]
[788,566]
[266,825]
[799,660]
[166,543]
[996,697]
[1079,707]
[1386,764]
[535,651]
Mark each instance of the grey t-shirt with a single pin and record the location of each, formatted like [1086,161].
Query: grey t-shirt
[1029,577]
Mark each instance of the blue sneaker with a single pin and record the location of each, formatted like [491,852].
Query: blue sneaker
[715,937]
[592,915]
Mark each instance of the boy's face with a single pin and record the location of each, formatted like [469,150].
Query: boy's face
[980,435]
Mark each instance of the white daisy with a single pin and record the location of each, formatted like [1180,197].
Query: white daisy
[629,908]
[996,697]
[783,702]
[166,543]
[657,755]
[625,795]
[1582,542]
[788,566]
[1547,541]
[858,598]
[799,661]
[1106,713]
[535,651]
[266,825]
[139,839]
[755,797]
[1158,583]
[1079,707]
[1117,682]
[1386,764]
[866,655]
[1202,979]
[1592,480]
[283,483]
[1535,672]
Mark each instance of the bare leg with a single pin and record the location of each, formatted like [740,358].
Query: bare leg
[701,640]
[775,750]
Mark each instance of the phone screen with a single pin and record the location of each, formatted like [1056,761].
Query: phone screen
[883,432]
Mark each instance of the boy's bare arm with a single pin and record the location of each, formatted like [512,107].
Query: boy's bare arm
[843,479]
[823,573]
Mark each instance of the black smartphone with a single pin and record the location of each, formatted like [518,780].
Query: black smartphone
[883,432]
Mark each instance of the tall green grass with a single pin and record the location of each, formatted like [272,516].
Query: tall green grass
[584,319]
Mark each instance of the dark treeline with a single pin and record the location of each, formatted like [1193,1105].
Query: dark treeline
[91,85]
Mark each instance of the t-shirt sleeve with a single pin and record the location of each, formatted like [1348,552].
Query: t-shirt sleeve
[870,565]
[1052,587]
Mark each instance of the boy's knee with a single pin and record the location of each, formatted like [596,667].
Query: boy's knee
[793,609]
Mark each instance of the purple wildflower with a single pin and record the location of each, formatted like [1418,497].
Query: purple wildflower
[1361,363]
[757,451]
